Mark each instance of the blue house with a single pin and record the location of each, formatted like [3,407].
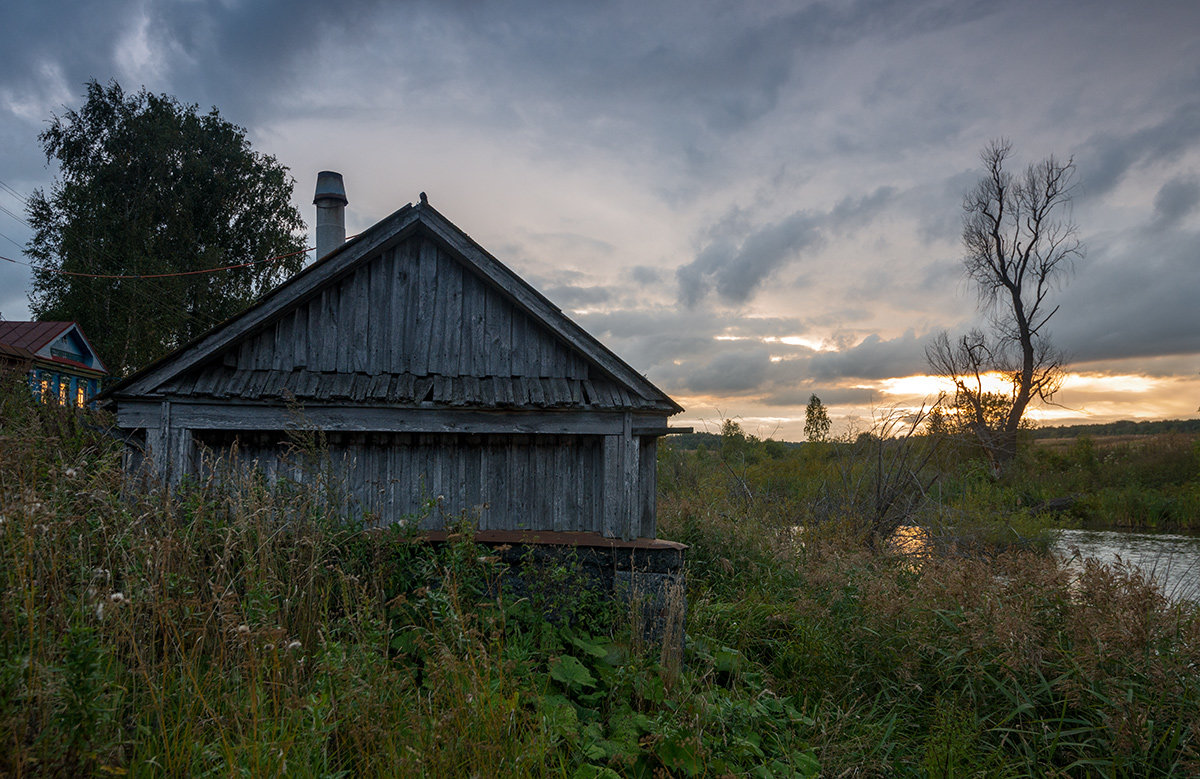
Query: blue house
[60,361]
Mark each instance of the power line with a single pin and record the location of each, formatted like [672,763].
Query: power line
[154,281]
[14,216]
[14,243]
[13,192]
[62,272]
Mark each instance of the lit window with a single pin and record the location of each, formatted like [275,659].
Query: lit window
[79,395]
[63,386]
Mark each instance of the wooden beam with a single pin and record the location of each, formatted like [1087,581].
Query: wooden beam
[629,477]
[614,487]
[218,416]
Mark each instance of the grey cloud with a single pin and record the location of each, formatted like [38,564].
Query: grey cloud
[830,396]
[873,358]
[1175,200]
[565,296]
[854,212]
[646,275]
[1105,159]
[941,276]
[736,271]
[236,54]
[735,268]
[939,213]
[574,243]
[1134,301]
[652,340]
[735,371]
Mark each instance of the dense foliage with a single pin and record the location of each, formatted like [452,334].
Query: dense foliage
[147,185]
[243,630]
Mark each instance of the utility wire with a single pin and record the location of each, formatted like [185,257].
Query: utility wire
[62,272]
[13,192]
[151,278]
[14,216]
[14,243]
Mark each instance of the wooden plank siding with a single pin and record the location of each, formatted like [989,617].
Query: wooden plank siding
[435,372]
[502,482]
[365,323]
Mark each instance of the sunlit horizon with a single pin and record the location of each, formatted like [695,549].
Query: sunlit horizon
[1086,397]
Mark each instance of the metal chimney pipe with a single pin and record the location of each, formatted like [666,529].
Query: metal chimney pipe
[330,201]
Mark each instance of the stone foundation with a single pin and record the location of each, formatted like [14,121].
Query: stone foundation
[645,574]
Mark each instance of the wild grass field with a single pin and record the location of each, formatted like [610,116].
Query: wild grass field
[243,630]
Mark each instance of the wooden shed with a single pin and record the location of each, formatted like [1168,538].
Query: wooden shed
[434,373]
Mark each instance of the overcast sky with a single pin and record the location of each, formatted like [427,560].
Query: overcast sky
[748,202]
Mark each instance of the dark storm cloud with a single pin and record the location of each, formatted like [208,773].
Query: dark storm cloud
[736,266]
[241,56]
[874,358]
[1105,159]
[733,372]
[721,68]
[735,269]
[1138,300]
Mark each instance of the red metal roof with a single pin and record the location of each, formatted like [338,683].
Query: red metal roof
[15,353]
[18,339]
[31,335]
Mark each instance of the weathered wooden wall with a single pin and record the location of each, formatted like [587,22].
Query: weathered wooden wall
[416,310]
[502,482]
[430,379]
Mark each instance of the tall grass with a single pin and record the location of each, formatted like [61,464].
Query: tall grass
[1007,663]
[1151,482]
[236,627]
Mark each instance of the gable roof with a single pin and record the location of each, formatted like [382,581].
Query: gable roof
[31,335]
[171,373]
[36,338]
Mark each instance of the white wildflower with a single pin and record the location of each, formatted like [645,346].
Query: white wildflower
[293,645]
[117,597]
[100,610]
[268,647]
[243,629]
[72,473]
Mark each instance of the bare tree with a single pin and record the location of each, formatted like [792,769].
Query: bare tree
[1020,245]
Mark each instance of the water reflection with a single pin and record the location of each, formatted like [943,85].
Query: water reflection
[911,540]
[1173,561]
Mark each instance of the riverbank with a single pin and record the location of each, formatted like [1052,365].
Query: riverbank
[205,635]
[1135,482]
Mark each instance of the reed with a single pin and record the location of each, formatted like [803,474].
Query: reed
[237,626]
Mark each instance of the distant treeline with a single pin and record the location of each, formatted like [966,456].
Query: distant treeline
[1124,427]
[691,441]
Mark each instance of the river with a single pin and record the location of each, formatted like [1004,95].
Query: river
[1171,559]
